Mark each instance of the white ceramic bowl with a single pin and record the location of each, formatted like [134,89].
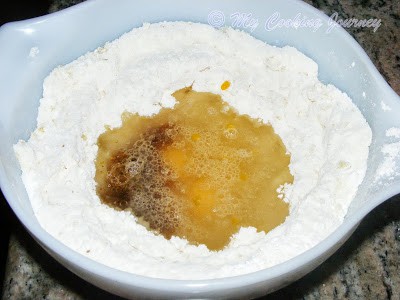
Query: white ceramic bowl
[63,36]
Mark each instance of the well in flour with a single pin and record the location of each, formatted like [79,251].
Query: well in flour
[199,171]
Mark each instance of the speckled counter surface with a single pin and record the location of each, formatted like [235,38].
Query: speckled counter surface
[366,267]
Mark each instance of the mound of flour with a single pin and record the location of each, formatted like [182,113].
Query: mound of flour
[326,134]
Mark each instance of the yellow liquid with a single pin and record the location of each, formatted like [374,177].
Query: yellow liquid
[199,171]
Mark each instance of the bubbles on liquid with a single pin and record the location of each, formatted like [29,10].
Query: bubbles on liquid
[231,133]
[134,167]
[211,111]
[244,153]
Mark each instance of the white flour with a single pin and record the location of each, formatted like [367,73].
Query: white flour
[326,134]
[389,168]
[393,132]
[33,52]
[385,107]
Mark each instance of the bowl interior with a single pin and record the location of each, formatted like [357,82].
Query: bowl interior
[62,37]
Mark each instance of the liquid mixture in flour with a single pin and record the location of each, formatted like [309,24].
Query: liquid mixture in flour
[198,171]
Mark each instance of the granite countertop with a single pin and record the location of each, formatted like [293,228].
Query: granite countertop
[367,266]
